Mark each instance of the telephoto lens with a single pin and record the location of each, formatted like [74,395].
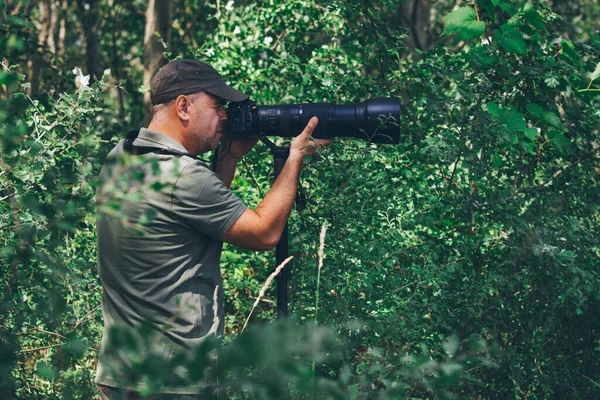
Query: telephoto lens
[374,120]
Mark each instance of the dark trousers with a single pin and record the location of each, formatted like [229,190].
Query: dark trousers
[111,393]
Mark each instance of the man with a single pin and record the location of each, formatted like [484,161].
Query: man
[163,215]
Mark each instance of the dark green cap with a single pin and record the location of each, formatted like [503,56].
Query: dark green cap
[183,77]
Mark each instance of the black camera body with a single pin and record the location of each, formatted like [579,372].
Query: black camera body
[374,120]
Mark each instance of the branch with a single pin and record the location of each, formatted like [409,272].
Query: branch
[547,181]
[381,68]
[41,348]
[188,27]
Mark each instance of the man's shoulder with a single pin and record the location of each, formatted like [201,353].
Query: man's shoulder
[195,173]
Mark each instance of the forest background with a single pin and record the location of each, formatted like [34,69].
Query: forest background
[461,263]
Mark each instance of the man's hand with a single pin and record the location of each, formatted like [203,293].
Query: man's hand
[230,152]
[236,148]
[305,145]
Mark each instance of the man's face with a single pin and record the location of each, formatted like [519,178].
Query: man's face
[208,122]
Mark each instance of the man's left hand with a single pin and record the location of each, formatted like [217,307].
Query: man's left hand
[238,147]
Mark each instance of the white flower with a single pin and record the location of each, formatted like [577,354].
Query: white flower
[85,80]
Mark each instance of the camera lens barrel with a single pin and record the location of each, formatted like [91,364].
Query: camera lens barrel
[374,120]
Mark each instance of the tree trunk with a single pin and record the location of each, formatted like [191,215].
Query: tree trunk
[414,15]
[62,30]
[89,11]
[156,38]
[37,60]
[117,91]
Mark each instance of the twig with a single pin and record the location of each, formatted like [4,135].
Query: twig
[380,57]
[86,316]
[556,174]
[41,348]
[595,383]
[51,333]
[453,172]
[215,324]
[587,89]
[264,288]
[249,170]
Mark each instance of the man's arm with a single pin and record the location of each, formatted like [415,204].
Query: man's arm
[225,168]
[229,154]
[261,229]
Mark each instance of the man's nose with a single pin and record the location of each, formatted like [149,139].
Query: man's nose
[223,114]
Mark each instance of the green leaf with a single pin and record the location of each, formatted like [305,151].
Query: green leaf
[511,40]
[552,119]
[569,50]
[535,110]
[230,256]
[450,345]
[504,6]
[511,118]
[496,161]
[546,116]
[527,8]
[514,121]
[531,15]
[514,20]
[462,21]
[46,371]
[531,133]
[482,56]
[559,141]
[450,373]
[594,75]
[551,81]
[493,110]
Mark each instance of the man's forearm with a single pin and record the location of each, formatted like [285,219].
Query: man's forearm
[225,169]
[261,229]
[277,204]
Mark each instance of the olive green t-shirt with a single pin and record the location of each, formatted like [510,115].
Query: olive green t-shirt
[160,217]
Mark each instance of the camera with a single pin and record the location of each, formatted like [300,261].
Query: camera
[374,120]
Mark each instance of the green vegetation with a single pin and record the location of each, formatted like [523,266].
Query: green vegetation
[462,263]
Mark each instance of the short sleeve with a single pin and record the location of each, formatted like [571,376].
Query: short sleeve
[202,200]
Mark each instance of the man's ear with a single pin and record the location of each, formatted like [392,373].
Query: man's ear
[182,105]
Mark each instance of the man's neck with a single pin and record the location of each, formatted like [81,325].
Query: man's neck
[164,129]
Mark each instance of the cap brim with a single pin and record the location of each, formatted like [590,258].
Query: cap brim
[227,93]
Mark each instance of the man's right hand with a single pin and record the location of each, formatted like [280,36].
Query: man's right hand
[305,145]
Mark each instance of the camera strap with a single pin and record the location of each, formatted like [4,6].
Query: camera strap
[130,148]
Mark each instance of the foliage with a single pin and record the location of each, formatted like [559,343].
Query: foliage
[461,263]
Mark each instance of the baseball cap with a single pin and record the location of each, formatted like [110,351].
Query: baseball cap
[182,77]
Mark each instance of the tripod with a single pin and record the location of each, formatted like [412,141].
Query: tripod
[280,154]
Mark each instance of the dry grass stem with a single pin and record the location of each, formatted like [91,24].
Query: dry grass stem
[215,324]
[322,245]
[321,254]
[264,288]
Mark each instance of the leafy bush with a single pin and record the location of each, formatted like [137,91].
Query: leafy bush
[461,263]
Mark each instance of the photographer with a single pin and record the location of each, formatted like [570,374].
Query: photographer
[158,257]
